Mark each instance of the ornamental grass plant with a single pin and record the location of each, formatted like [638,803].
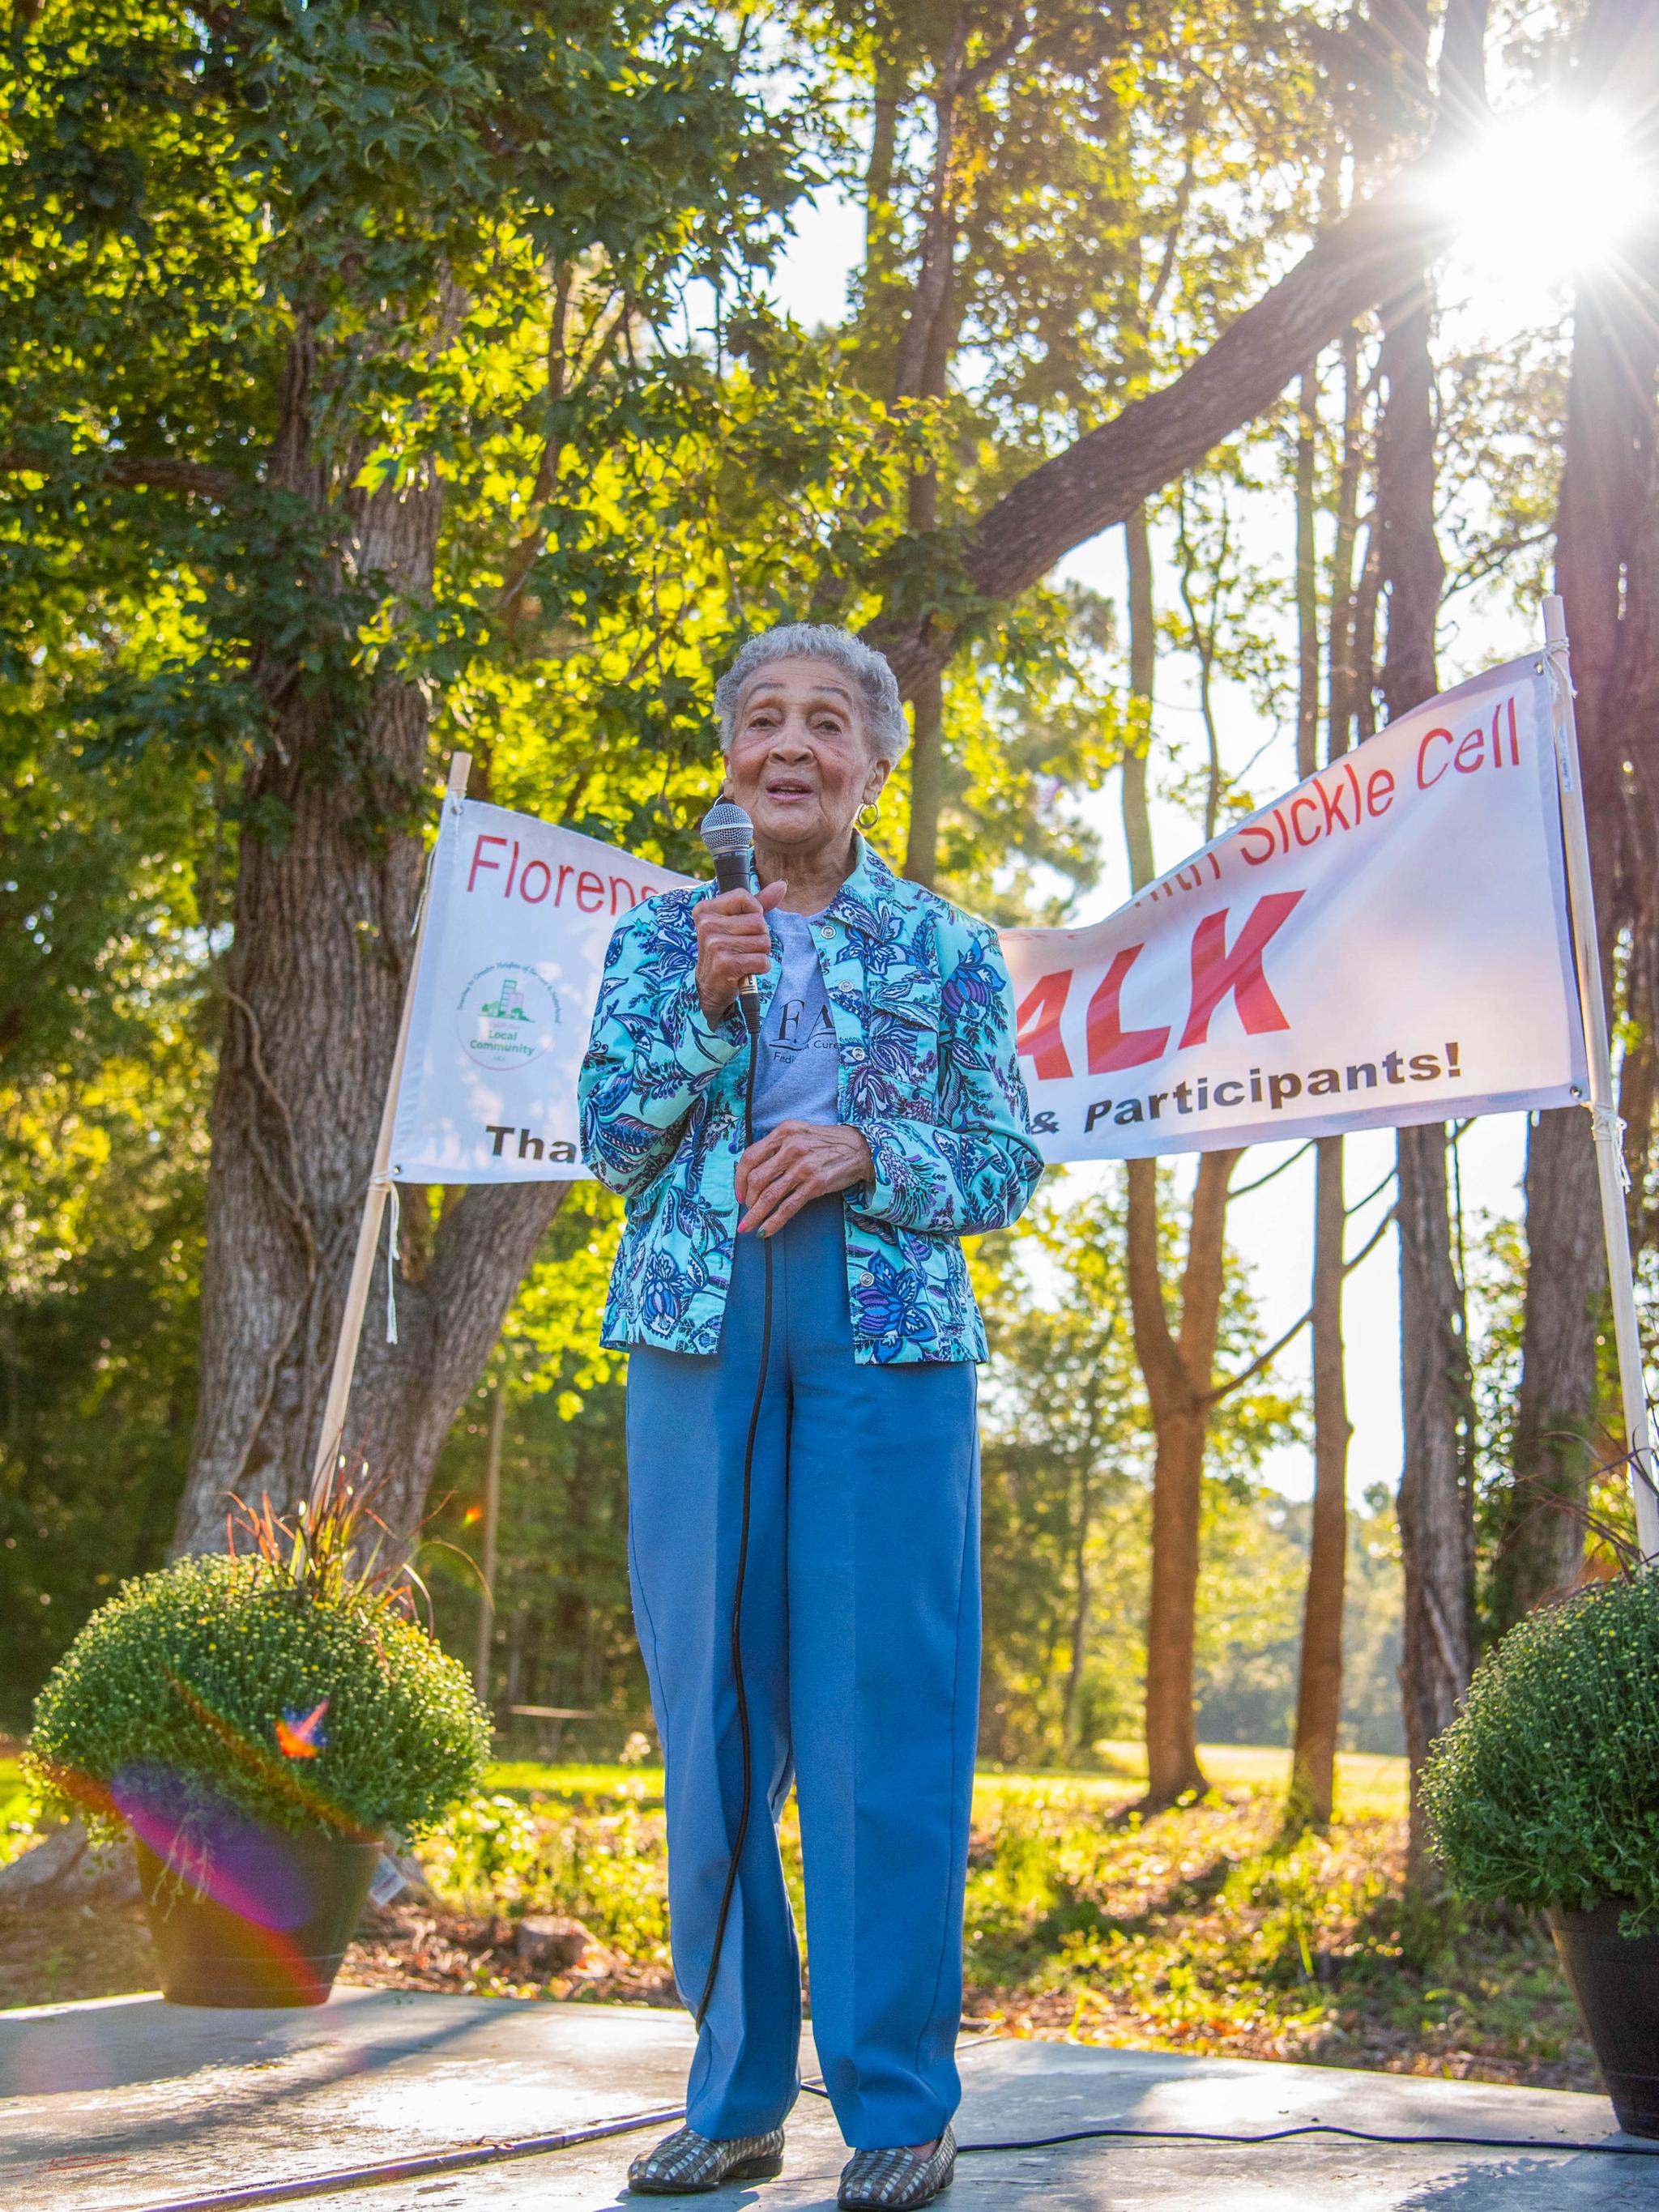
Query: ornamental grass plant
[1544,1792]
[287,1681]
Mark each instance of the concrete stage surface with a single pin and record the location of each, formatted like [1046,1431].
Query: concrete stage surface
[129,2103]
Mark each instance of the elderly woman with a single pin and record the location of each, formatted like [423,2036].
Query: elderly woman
[890,1119]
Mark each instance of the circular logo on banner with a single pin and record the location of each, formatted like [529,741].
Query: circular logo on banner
[508,1016]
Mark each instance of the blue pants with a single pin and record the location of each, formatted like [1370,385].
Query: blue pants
[861,1649]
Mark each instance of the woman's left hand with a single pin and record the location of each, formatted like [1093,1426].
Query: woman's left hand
[797,1162]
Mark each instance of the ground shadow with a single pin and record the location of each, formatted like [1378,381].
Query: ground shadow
[1565,2183]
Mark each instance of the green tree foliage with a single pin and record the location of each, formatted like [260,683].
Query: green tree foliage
[479,225]
[107,885]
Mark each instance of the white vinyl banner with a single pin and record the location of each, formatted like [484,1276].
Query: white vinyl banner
[520,915]
[1388,943]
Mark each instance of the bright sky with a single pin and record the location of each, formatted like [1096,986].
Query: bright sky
[1529,220]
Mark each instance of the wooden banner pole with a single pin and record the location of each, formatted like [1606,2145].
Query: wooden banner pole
[368,1234]
[1605,1125]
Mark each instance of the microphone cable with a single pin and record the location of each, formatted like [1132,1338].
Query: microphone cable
[1287,2135]
[751,1022]
[309,2186]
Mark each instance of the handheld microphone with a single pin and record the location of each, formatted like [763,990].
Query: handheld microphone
[729,836]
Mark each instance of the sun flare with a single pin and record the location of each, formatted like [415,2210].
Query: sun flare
[1546,194]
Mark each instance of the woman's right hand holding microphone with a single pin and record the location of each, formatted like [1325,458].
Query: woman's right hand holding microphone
[732,942]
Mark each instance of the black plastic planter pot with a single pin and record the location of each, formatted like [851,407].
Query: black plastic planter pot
[246,1915]
[1615,1980]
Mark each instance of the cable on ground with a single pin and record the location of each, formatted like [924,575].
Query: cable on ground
[1285,2135]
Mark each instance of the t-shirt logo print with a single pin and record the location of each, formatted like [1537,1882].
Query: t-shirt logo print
[798,1077]
[795,1028]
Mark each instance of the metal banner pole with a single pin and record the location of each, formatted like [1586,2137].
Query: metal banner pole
[368,1234]
[1605,1125]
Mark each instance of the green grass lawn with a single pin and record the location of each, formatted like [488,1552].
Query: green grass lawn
[1197,1929]
[17,1811]
[1366,1781]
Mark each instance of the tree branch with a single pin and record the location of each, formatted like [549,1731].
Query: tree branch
[1373,1240]
[1244,1189]
[1265,1359]
[1370,258]
[161,474]
[1262,1359]
[1155,1341]
[1376,1191]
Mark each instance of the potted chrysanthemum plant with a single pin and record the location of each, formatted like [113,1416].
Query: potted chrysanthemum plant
[261,1722]
[1544,1794]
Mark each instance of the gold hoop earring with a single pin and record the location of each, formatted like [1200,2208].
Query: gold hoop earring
[874,808]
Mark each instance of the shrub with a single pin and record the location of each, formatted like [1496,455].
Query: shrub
[1544,1789]
[175,1690]
[606,1869]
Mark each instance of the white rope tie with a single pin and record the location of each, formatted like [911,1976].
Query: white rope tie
[1563,691]
[1607,1127]
[395,1215]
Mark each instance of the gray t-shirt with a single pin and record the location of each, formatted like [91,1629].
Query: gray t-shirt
[796,1078]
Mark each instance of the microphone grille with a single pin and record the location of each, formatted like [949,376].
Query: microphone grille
[728,828]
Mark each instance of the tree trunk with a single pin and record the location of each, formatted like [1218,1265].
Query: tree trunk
[922,371]
[927,778]
[1436,1534]
[314,995]
[1311,1796]
[1319,1680]
[1344,678]
[938,234]
[1082,1609]
[1307,577]
[1142,666]
[1435,1510]
[877,341]
[1539,1539]
[1436,1519]
[1179,1367]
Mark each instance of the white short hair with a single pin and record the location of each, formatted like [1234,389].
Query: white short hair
[884,725]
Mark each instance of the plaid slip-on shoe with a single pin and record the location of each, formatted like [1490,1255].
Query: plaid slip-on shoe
[896,2181]
[685,2164]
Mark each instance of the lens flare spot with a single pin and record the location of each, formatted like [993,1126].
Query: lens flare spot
[301,1736]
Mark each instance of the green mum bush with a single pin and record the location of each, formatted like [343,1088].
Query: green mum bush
[176,1688]
[1544,1789]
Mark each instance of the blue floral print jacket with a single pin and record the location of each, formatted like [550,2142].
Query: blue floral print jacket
[924,1020]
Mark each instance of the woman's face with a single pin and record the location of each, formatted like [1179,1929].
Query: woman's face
[800,765]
